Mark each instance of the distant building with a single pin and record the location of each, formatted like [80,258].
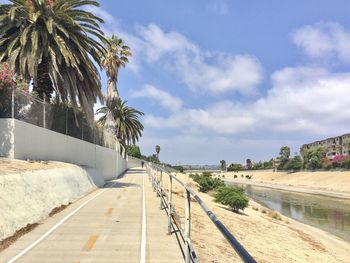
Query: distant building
[333,146]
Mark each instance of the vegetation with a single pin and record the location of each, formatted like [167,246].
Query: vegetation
[157,151]
[235,167]
[133,150]
[178,167]
[263,165]
[206,182]
[223,166]
[294,164]
[249,164]
[128,127]
[233,197]
[116,56]
[54,44]
[284,156]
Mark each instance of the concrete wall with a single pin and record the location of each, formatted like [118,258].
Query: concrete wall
[21,140]
[38,192]
[6,137]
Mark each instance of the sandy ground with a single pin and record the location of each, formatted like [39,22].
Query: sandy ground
[267,239]
[333,184]
[11,166]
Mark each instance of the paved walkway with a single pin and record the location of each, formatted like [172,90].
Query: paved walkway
[105,226]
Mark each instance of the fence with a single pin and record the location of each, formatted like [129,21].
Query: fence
[156,174]
[18,104]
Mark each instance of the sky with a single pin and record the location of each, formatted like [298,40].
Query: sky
[229,79]
[226,79]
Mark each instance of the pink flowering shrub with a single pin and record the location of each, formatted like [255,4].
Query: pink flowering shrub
[337,160]
[6,76]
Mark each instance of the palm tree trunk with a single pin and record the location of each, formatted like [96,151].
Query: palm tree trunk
[111,101]
[43,84]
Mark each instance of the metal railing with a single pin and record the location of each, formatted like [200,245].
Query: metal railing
[156,173]
[19,104]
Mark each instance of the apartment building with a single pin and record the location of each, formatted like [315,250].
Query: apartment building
[334,145]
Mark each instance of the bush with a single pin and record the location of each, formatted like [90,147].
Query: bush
[345,163]
[233,197]
[206,182]
[326,164]
[235,176]
[275,215]
[337,160]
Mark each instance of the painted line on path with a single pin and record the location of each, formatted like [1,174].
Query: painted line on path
[144,223]
[51,230]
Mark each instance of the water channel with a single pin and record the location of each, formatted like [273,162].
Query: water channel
[329,214]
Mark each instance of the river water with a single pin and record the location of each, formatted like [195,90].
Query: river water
[329,214]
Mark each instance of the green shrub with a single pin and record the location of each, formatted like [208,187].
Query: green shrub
[235,176]
[345,163]
[206,182]
[233,197]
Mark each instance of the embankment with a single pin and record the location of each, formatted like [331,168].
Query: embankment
[27,197]
[333,184]
[268,238]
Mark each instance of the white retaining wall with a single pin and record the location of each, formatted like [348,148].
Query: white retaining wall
[29,197]
[21,140]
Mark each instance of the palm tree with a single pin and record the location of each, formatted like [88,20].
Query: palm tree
[128,127]
[51,42]
[157,151]
[223,165]
[116,55]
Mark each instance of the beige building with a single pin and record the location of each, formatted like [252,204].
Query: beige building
[334,145]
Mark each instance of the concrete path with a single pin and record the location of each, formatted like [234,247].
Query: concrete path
[105,226]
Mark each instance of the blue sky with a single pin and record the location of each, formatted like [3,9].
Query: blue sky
[232,80]
[226,79]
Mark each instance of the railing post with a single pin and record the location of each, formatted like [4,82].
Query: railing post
[170,205]
[82,129]
[13,102]
[161,189]
[66,121]
[187,232]
[44,112]
[157,185]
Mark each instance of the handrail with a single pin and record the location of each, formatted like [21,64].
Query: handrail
[156,171]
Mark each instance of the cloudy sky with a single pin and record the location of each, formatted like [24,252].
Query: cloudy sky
[229,79]
[225,79]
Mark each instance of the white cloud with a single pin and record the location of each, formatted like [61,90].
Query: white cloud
[324,40]
[199,69]
[165,99]
[307,100]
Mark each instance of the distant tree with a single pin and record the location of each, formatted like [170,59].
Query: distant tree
[223,165]
[235,167]
[157,151]
[153,158]
[313,158]
[314,163]
[133,150]
[294,164]
[284,155]
[249,164]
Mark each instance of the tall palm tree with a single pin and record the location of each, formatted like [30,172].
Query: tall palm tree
[128,127]
[116,56]
[51,42]
[157,151]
